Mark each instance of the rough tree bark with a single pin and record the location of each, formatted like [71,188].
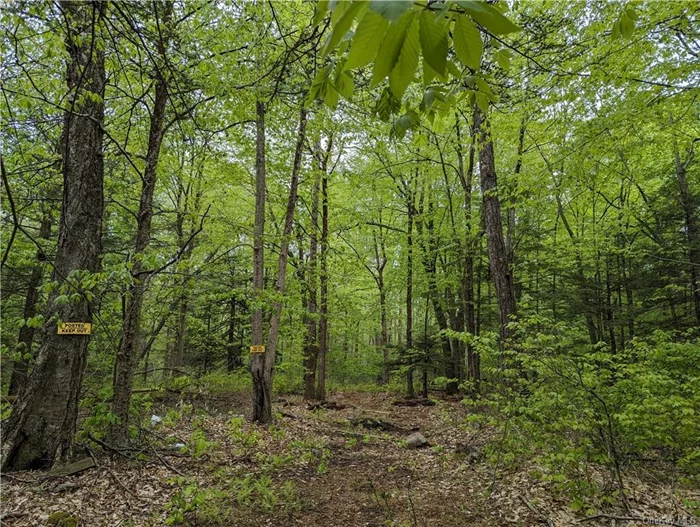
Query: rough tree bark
[128,353]
[498,256]
[262,365]
[40,430]
[20,368]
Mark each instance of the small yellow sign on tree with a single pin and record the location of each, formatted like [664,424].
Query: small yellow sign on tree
[75,328]
[257,349]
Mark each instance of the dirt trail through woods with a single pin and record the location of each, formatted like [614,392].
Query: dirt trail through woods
[347,467]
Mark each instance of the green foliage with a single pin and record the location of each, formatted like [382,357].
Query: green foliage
[575,407]
[198,445]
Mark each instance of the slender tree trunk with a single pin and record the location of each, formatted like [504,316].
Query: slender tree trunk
[429,253]
[261,395]
[410,207]
[467,290]
[40,429]
[262,366]
[128,354]
[691,229]
[311,343]
[233,356]
[323,320]
[20,368]
[498,257]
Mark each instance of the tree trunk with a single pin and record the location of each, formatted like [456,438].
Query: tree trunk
[40,429]
[128,354]
[26,333]
[429,254]
[311,342]
[691,229]
[261,395]
[467,290]
[323,320]
[410,207]
[498,256]
[233,355]
[262,365]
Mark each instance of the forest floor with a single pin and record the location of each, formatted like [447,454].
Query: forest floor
[324,467]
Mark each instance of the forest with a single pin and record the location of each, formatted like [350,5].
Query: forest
[400,263]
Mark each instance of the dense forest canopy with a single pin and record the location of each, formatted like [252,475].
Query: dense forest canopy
[494,201]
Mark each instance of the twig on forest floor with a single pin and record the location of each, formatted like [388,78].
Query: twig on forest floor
[109,471]
[107,446]
[167,464]
[633,519]
[12,514]
[22,480]
[540,516]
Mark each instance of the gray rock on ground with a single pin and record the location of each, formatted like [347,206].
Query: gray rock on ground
[416,440]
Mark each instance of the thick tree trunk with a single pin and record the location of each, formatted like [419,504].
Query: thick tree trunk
[262,366]
[498,256]
[40,429]
[20,368]
[128,354]
[323,320]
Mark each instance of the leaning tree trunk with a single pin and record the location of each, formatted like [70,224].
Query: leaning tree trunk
[40,429]
[26,333]
[128,354]
[262,365]
[498,256]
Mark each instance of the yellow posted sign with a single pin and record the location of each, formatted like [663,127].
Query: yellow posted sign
[75,328]
[257,349]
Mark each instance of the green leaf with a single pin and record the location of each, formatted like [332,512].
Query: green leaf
[402,74]
[62,300]
[366,41]
[467,41]
[321,9]
[331,97]
[626,26]
[390,9]
[433,42]
[345,85]
[488,16]
[453,69]
[503,58]
[342,26]
[390,49]
[615,30]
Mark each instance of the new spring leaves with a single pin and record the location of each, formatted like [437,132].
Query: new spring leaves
[395,34]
